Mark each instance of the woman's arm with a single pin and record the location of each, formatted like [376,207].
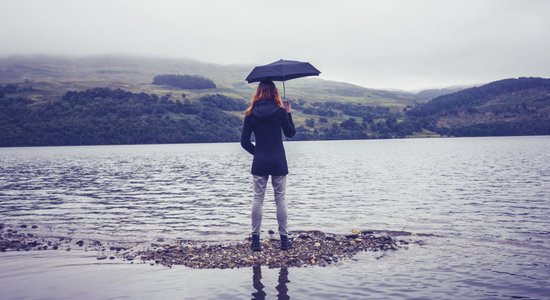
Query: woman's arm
[245,136]
[288,125]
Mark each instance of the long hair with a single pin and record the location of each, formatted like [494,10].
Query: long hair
[266,90]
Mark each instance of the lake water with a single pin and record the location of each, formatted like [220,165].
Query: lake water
[481,207]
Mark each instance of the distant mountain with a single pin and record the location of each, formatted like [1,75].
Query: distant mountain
[427,95]
[506,107]
[56,75]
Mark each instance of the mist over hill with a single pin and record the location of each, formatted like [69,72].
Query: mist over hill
[135,73]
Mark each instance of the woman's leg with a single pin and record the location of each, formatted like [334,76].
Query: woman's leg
[279,189]
[260,182]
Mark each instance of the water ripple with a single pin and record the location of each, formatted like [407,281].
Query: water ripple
[482,203]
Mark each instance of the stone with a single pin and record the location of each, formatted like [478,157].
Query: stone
[310,248]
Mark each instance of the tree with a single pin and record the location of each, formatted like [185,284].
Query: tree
[310,122]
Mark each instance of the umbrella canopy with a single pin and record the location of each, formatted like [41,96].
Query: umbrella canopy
[282,70]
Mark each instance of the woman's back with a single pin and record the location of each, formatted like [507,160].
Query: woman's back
[266,121]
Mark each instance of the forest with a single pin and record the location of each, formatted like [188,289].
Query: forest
[106,116]
[114,116]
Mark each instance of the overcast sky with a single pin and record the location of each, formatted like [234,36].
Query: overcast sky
[382,44]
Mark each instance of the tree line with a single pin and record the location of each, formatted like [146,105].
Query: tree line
[116,116]
[113,116]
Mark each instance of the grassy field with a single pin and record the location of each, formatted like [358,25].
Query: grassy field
[53,76]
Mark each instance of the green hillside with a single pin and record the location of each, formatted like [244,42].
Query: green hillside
[112,100]
[506,107]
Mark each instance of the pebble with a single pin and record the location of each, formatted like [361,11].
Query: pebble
[310,248]
[34,226]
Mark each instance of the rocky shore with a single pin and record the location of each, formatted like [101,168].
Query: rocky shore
[310,248]
[29,238]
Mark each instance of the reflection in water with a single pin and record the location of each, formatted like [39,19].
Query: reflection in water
[281,287]
[259,287]
[257,283]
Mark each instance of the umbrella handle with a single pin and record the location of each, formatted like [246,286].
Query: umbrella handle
[284,91]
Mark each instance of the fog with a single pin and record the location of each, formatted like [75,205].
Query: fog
[382,44]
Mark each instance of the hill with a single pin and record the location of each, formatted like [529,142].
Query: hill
[506,107]
[53,76]
[48,100]
[115,116]
[427,95]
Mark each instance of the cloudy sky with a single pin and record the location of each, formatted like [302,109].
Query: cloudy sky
[382,44]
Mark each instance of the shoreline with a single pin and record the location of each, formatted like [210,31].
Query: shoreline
[421,137]
[310,248]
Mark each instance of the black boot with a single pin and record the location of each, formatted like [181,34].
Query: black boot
[256,246]
[285,242]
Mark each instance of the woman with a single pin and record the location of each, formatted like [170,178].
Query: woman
[265,117]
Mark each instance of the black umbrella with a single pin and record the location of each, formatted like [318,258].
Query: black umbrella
[282,70]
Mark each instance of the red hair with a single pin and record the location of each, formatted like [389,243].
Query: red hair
[266,90]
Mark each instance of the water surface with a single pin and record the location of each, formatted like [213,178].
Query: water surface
[481,205]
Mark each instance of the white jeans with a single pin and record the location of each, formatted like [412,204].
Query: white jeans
[279,189]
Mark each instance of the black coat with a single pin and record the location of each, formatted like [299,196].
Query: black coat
[266,121]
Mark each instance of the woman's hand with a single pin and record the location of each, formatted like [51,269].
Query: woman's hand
[287,106]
